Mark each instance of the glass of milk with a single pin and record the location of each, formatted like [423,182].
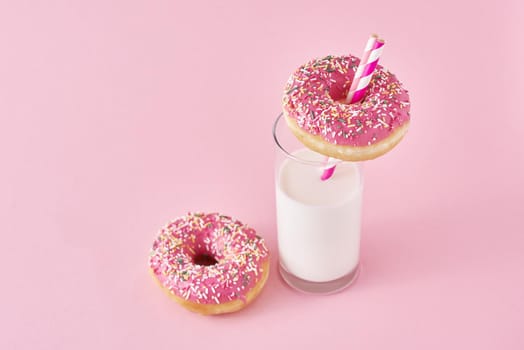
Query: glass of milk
[318,221]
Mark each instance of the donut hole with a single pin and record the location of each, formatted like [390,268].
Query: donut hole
[204,259]
[341,98]
[339,88]
[338,83]
[337,92]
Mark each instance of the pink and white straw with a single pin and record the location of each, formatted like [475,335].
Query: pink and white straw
[361,80]
[365,70]
[328,169]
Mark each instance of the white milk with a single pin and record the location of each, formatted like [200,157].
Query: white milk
[318,221]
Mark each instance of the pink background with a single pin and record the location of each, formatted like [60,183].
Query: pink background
[116,116]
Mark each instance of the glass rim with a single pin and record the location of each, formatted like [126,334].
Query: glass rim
[292,156]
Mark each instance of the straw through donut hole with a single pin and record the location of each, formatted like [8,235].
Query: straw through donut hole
[204,259]
[339,90]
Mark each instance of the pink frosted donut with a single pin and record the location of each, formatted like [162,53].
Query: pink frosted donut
[210,263]
[314,109]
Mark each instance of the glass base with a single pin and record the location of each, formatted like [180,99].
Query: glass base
[328,287]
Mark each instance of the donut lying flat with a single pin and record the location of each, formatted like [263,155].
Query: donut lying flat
[315,111]
[210,263]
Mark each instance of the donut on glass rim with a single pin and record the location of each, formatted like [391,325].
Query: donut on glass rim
[210,263]
[315,110]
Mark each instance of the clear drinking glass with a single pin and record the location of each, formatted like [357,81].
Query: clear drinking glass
[318,221]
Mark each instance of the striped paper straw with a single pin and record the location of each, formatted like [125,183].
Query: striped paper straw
[363,60]
[365,70]
[361,80]
[329,170]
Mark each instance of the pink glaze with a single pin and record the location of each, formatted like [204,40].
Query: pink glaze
[238,250]
[314,89]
